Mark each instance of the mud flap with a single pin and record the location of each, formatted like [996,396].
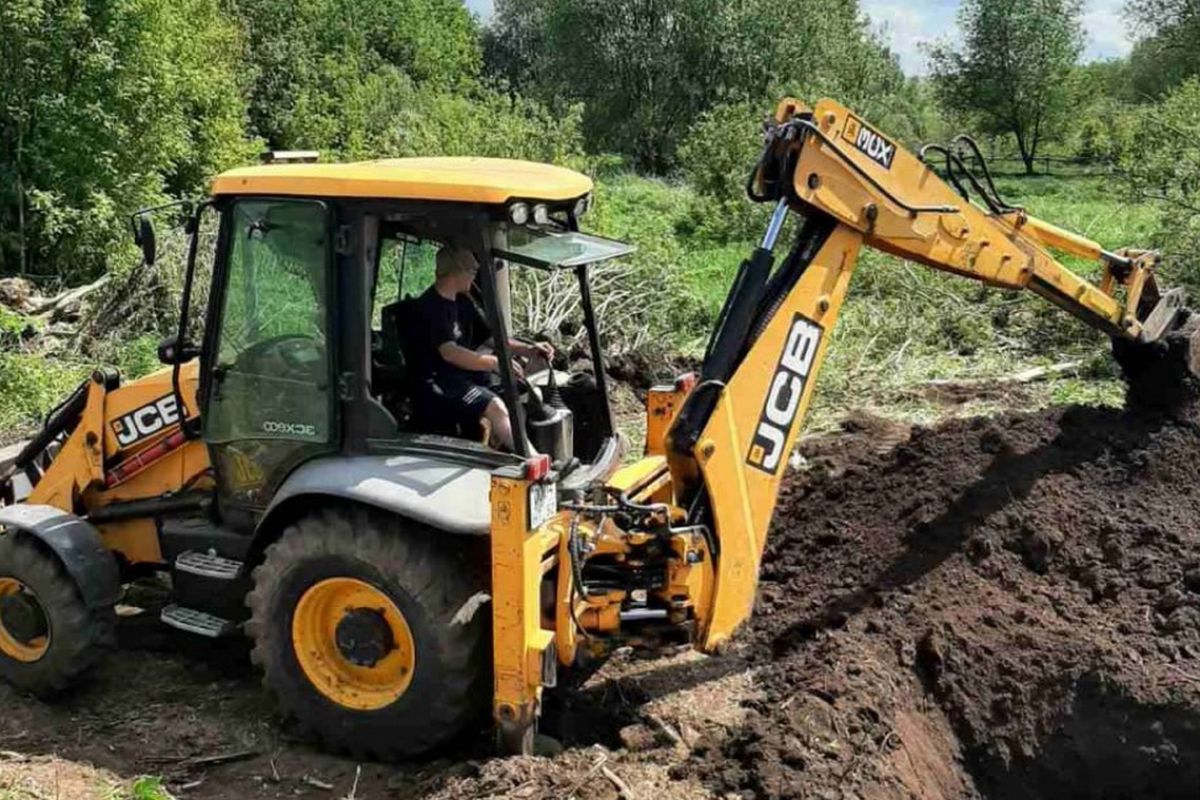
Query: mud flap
[76,544]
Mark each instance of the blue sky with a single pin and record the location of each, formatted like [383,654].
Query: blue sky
[907,24]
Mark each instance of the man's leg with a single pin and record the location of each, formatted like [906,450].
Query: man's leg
[497,415]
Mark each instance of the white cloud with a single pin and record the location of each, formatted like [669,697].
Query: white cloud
[1108,32]
[906,26]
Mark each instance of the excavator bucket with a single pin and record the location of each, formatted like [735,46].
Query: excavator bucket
[1163,373]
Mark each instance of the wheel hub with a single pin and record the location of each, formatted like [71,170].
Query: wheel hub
[353,643]
[24,628]
[364,637]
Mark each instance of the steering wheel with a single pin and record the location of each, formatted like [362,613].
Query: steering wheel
[297,353]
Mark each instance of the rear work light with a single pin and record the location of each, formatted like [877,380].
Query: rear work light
[537,467]
[685,382]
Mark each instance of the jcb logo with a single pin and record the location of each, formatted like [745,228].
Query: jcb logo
[877,148]
[783,396]
[146,421]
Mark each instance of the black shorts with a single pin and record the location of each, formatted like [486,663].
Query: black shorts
[460,396]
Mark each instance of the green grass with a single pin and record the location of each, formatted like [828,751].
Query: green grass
[904,325]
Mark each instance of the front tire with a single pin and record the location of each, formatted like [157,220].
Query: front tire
[49,638]
[357,627]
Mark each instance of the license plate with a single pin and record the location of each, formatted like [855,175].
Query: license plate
[543,504]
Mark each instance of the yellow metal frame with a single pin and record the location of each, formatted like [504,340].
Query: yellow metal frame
[898,205]
[78,473]
[520,639]
[743,498]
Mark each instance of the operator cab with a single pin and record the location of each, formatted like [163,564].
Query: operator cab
[309,336]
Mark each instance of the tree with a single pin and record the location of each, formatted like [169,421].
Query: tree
[328,74]
[1164,165]
[1168,52]
[646,70]
[105,107]
[1014,72]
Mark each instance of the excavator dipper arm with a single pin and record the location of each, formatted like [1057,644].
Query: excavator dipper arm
[729,445]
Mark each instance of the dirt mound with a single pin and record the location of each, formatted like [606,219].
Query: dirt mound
[1036,576]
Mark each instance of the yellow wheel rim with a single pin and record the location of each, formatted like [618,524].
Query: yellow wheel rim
[10,645]
[331,606]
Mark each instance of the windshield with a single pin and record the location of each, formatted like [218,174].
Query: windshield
[551,250]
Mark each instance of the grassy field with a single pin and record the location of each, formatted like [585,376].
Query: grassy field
[902,327]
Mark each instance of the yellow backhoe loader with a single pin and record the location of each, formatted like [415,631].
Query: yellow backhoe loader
[397,575]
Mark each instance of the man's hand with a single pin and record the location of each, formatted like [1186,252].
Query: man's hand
[543,349]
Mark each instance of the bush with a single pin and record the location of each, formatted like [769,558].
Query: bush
[716,158]
[486,121]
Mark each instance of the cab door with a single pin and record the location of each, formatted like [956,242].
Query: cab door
[270,398]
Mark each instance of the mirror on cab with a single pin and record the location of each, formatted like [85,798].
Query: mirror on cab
[143,237]
[170,352]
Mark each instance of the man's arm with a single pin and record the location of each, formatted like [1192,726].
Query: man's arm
[467,359]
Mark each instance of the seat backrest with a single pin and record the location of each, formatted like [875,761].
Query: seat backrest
[399,334]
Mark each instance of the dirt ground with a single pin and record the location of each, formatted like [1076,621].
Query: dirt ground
[1005,607]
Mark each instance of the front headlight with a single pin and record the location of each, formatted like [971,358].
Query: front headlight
[582,205]
[518,213]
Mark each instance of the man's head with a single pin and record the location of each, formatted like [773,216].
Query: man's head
[456,269]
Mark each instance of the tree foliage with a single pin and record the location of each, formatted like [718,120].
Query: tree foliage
[1013,74]
[105,106]
[1169,50]
[1165,166]
[645,70]
[331,74]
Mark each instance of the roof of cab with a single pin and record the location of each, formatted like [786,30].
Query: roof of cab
[454,179]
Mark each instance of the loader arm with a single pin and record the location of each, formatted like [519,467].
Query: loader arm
[854,187]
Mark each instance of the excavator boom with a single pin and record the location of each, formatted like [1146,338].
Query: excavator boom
[855,187]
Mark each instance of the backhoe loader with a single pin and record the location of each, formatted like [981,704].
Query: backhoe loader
[396,577]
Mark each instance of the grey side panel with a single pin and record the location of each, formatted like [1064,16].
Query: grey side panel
[77,545]
[446,496]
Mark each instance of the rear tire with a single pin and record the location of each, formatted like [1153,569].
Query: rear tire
[75,637]
[419,580]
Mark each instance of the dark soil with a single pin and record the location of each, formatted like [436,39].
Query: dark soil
[992,608]
[1004,607]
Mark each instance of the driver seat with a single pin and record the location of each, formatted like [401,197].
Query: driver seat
[389,364]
